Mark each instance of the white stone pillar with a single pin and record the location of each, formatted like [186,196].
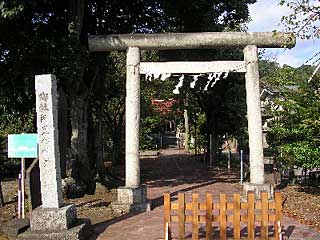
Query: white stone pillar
[132,118]
[254,115]
[53,220]
[49,157]
[133,196]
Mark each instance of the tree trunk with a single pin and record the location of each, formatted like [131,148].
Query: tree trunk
[213,146]
[63,130]
[115,154]
[98,144]
[1,196]
[213,136]
[195,134]
[116,150]
[186,126]
[79,123]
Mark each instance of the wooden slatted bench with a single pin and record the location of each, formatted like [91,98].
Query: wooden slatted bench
[224,213]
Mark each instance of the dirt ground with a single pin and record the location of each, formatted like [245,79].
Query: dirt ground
[9,189]
[302,203]
[96,207]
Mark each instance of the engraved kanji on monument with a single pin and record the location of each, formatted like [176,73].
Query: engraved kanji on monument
[53,219]
[47,122]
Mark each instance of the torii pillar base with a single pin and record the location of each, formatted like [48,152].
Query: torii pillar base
[131,200]
[257,189]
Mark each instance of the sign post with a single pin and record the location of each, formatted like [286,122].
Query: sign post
[22,146]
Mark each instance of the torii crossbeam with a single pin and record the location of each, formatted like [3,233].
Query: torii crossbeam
[133,195]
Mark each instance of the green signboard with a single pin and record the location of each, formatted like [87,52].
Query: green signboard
[23,145]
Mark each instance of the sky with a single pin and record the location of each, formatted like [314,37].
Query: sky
[266,16]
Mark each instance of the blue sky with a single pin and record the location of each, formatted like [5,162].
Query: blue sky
[266,16]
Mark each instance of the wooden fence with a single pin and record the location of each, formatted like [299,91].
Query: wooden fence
[224,213]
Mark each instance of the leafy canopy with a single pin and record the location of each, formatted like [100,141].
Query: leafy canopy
[295,116]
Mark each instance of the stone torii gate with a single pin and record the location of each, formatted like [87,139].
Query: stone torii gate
[133,195]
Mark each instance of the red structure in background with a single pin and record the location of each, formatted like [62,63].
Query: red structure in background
[164,107]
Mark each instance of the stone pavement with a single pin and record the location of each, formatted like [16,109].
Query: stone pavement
[175,171]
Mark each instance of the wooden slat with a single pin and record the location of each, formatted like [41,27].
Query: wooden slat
[188,206]
[267,211]
[188,219]
[264,215]
[230,206]
[244,205]
[174,206]
[167,230]
[244,218]
[167,235]
[236,216]
[209,216]
[278,215]
[222,215]
[195,216]
[258,205]
[250,199]
[181,216]
[272,217]
[272,205]
[174,219]
[203,206]
[216,218]
[202,219]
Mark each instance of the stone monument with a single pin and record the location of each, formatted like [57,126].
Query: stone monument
[53,219]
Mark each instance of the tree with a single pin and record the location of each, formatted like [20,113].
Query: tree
[1,196]
[51,37]
[223,105]
[304,22]
[44,36]
[211,16]
[295,126]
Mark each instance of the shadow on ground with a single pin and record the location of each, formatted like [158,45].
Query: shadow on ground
[180,172]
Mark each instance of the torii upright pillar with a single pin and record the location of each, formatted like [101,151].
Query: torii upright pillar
[257,181]
[133,196]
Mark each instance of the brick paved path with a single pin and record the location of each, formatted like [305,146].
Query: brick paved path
[175,171]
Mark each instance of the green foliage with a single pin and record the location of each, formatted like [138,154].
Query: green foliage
[295,126]
[40,37]
[198,130]
[148,126]
[304,19]
[10,9]
[223,105]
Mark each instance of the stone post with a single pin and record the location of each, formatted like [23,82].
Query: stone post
[132,197]
[47,124]
[132,118]
[254,122]
[53,219]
